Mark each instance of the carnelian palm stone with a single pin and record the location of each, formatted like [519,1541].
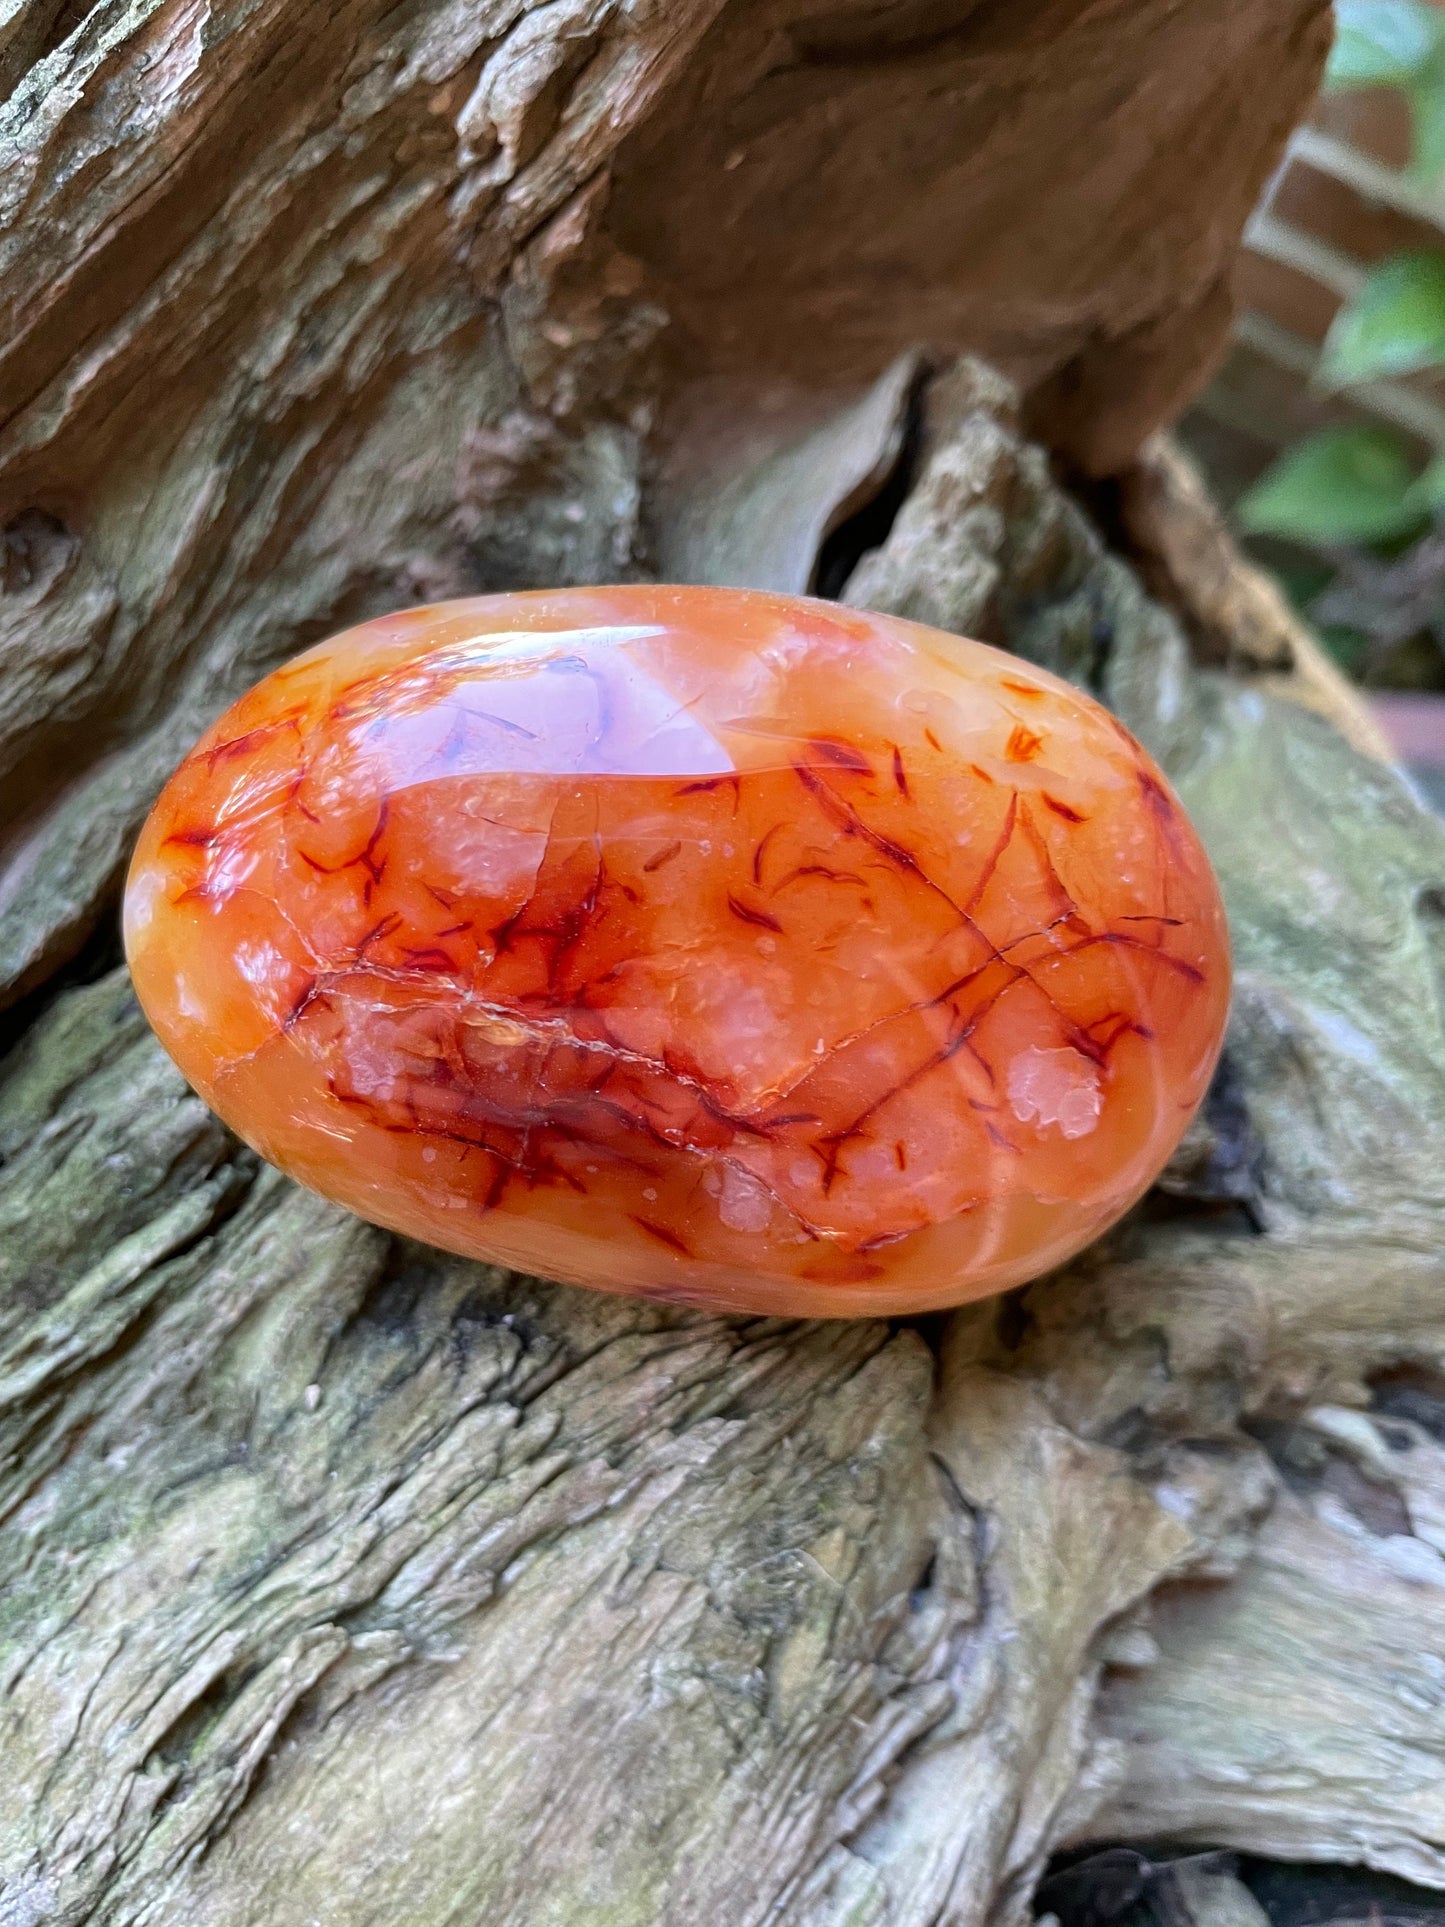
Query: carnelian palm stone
[738,949]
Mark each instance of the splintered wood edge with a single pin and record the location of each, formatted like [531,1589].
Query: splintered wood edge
[1234,612]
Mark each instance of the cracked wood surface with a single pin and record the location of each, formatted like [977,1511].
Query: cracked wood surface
[344,1581]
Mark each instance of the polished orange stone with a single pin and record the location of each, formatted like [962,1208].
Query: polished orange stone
[732,948]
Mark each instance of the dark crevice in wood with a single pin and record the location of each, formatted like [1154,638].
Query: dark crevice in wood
[98,956]
[1221,1164]
[1148,1885]
[34,35]
[1414,1393]
[35,548]
[1311,1467]
[869,526]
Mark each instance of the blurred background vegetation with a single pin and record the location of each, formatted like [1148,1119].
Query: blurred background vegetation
[1324,430]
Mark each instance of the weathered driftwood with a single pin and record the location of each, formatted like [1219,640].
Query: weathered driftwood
[341,1581]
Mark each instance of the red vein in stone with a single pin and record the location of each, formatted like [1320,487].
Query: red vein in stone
[745,913]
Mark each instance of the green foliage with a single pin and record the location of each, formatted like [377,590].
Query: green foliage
[1362,484]
[1352,484]
[1348,648]
[1427,123]
[1429,490]
[1397,43]
[1394,326]
[1381,42]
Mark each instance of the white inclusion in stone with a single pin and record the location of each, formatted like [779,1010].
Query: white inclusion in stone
[190,1006]
[375,1067]
[483,854]
[259,963]
[744,1204]
[231,868]
[270,975]
[147,887]
[1055,1087]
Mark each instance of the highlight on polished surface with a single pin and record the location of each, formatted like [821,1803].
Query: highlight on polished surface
[739,949]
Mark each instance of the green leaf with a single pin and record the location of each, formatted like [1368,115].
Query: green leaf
[1380,41]
[1342,485]
[1427,122]
[1428,492]
[1394,325]
[1350,649]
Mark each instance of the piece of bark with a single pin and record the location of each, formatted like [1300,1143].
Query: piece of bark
[1235,615]
[1057,187]
[1297,1712]
[1300,1711]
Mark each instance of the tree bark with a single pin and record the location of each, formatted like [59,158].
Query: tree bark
[344,1581]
